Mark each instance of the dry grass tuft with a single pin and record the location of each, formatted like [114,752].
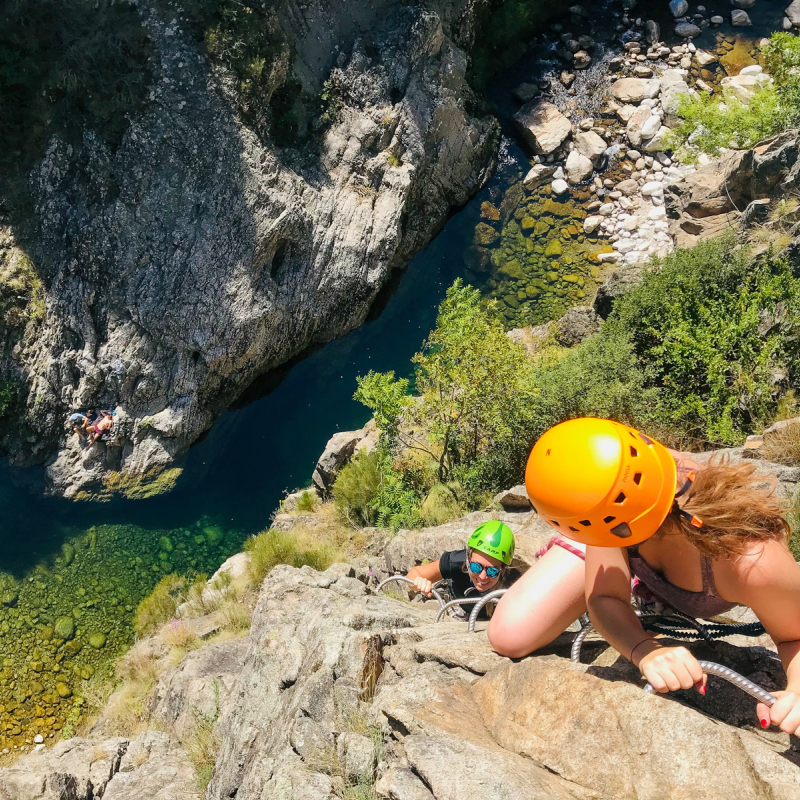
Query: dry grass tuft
[782,446]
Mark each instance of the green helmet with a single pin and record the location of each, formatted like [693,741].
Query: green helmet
[493,539]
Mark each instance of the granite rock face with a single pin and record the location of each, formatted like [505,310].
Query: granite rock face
[199,255]
[153,765]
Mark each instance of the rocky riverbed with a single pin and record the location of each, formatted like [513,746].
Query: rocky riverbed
[598,120]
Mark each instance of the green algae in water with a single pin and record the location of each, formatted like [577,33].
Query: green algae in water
[540,261]
[68,620]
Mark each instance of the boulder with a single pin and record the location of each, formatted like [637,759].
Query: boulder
[633,129]
[672,94]
[704,58]
[740,19]
[581,60]
[589,144]
[525,92]
[618,283]
[659,142]
[652,188]
[678,8]
[628,187]
[592,223]
[341,447]
[356,754]
[629,90]
[740,87]
[559,186]
[542,126]
[514,499]
[650,126]
[626,112]
[793,13]
[576,325]
[578,167]
[743,4]
[687,30]
[538,175]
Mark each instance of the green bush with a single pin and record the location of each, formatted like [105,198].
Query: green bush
[355,489]
[270,548]
[710,123]
[691,355]
[308,501]
[442,504]
[160,605]
[8,391]
[710,327]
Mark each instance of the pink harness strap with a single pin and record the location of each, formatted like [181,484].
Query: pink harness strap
[557,540]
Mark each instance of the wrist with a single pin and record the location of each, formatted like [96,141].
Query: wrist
[643,649]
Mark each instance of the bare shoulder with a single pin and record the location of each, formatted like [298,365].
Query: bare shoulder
[764,563]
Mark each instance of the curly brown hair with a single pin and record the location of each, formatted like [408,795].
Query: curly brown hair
[736,505]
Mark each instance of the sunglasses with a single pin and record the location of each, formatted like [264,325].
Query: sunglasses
[491,572]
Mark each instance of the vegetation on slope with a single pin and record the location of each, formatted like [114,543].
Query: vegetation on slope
[711,123]
[700,353]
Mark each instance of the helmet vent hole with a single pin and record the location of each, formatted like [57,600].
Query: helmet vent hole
[634,452]
[573,529]
[585,522]
[608,520]
[637,478]
[645,439]
[620,498]
[554,522]
[622,530]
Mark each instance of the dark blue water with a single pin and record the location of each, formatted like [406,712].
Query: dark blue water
[236,476]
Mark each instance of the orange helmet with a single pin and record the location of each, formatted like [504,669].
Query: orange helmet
[600,482]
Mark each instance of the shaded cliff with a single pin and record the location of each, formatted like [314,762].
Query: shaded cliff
[252,205]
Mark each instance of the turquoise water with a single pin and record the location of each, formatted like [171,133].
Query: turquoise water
[82,568]
[236,476]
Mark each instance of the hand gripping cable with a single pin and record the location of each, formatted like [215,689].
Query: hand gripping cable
[403,579]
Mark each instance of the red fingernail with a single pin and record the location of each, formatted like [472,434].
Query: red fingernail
[764,723]
[702,690]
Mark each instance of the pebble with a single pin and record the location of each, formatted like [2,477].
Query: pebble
[652,188]
[38,739]
[560,186]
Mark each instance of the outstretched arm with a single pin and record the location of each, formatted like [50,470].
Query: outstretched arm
[767,579]
[608,598]
[424,576]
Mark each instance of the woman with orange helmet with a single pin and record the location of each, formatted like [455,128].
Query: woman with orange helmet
[700,539]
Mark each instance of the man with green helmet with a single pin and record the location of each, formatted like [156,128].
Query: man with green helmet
[484,565]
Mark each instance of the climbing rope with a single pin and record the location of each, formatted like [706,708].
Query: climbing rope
[403,579]
[679,626]
[746,685]
[487,598]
